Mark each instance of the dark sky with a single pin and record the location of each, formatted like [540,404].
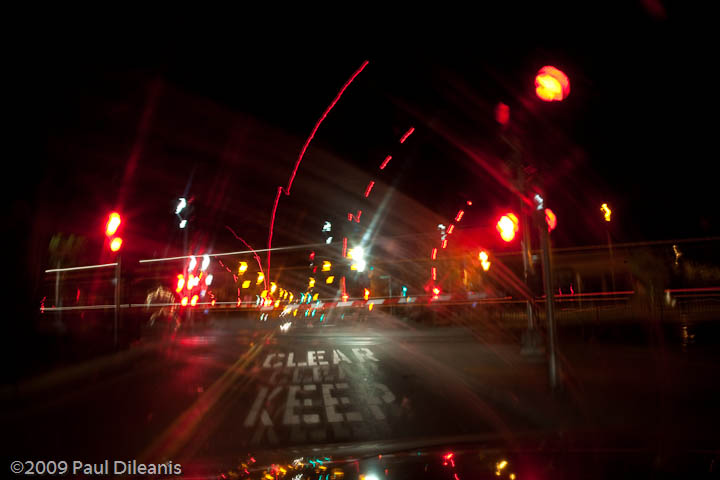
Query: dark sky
[229,122]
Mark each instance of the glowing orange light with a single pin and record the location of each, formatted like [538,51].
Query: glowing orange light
[551,219]
[444,243]
[366,294]
[180,283]
[184,301]
[112,224]
[242,268]
[606,211]
[326,266]
[436,291]
[433,255]
[246,284]
[507,226]
[451,228]
[551,84]
[213,302]
[434,273]
[194,300]
[115,244]
[344,298]
[459,215]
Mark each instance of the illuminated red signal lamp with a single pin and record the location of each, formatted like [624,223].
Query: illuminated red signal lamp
[115,244]
[112,224]
[551,84]
[507,226]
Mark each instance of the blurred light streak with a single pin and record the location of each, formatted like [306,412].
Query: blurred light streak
[385,162]
[459,215]
[369,188]
[434,273]
[80,268]
[407,134]
[453,140]
[444,243]
[257,257]
[344,249]
[433,255]
[143,129]
[300,157]
[451,228]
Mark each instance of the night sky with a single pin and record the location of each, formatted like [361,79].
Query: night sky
[227,124]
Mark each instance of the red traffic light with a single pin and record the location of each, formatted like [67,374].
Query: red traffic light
[507,226]
[551,85]
[112,224]
[115,244]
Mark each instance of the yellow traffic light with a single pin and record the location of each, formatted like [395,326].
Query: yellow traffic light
[326,266]
[261,277]
[606,211]
[329,279]
[242,268]
[311,282]
[246,284]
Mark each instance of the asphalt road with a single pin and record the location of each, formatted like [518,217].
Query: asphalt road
[209,396]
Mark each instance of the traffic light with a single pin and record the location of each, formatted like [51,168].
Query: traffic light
[115,244]
[606,211]
[242,268]
[484,262]
[111,228]
[366,294]
[507,226]
[326,266]
[404,291]
[551,85]
[551,219]
[260,278]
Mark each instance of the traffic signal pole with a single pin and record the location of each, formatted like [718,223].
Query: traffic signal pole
[117,302]
[549,303]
